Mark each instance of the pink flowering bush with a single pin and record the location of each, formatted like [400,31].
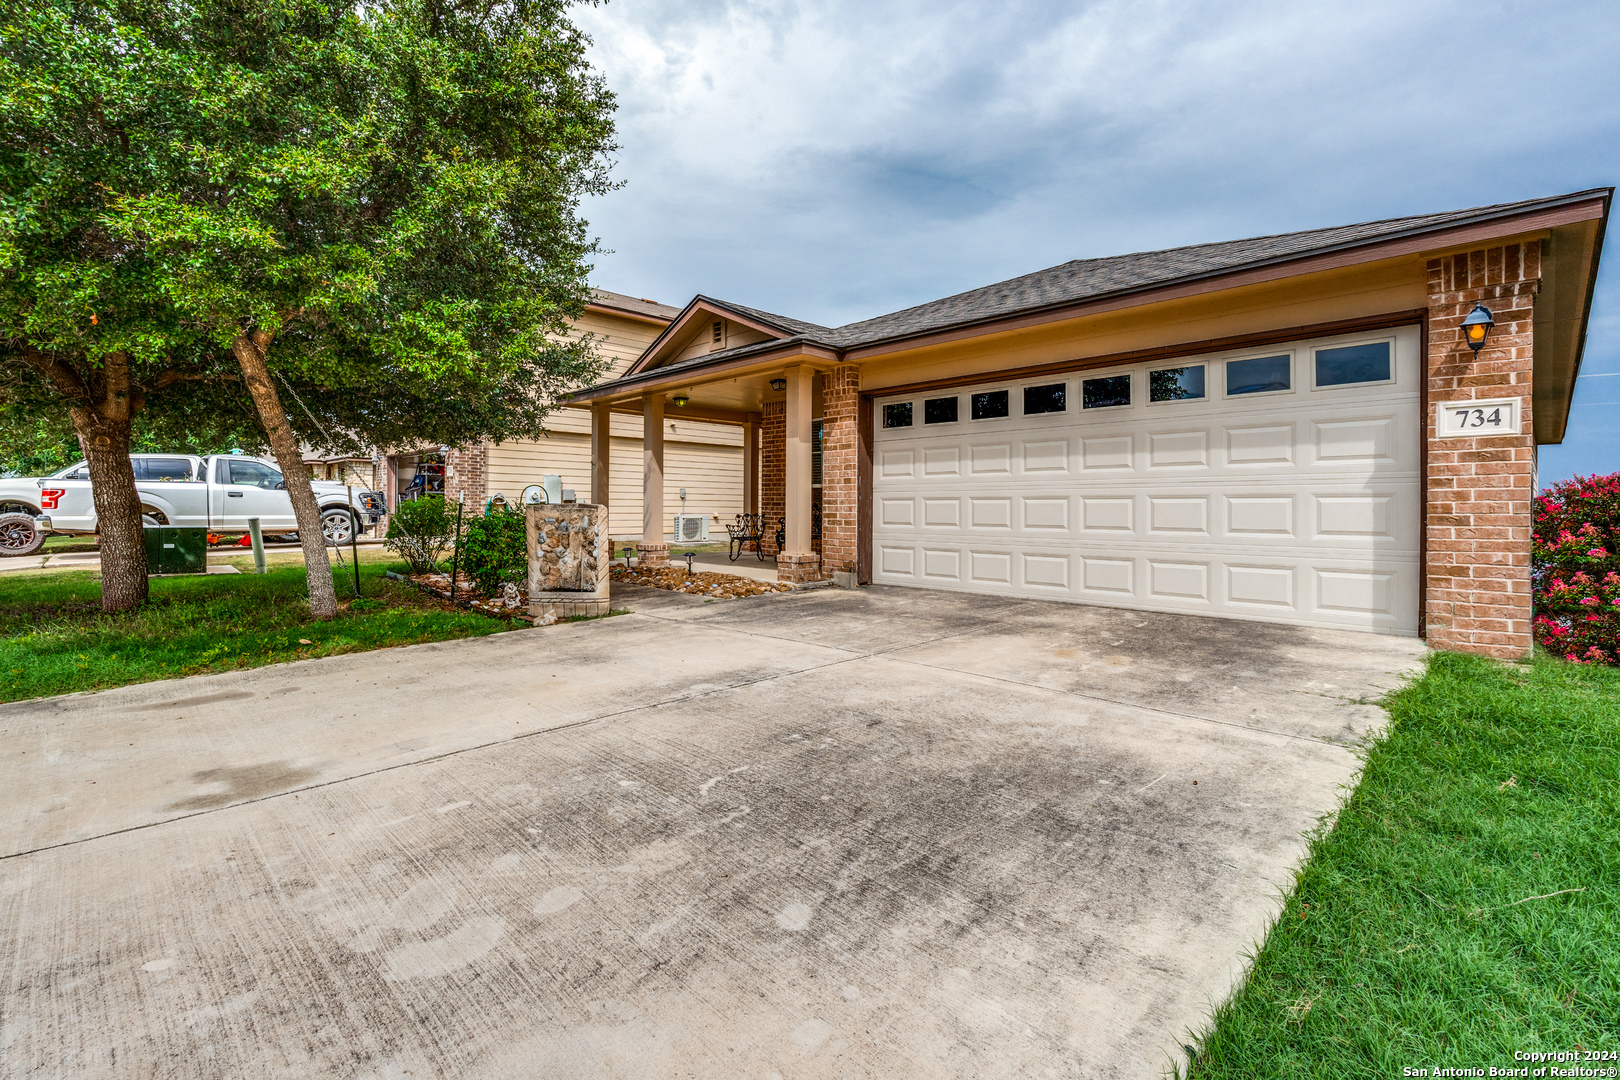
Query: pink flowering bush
[1575,569]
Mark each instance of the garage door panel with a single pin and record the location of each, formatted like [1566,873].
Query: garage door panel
[940,565]
[1107,453]
[1179,515]
[1300,506]
[991,460]
[1178,450]
[1046,572]
[1176,580]
[1046,458]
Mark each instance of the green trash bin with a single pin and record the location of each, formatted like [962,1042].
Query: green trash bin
[175,551]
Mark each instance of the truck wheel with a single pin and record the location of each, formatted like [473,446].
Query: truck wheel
[338,525]
[18,536]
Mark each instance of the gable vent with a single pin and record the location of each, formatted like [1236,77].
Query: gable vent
[719,331]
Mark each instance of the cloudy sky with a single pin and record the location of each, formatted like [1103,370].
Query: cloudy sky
[841,159]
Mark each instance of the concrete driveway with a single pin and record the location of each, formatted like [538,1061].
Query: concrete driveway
[822,834]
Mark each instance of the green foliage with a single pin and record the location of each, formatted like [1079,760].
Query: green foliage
[1575,569]
[55,640]
[495,549]
[421,530]
[391,189]
[1464,903]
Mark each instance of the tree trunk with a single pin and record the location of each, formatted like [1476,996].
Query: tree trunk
[250,354]
[103,407]
[118,508]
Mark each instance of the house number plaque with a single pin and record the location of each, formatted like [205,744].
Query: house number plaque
[1472,419]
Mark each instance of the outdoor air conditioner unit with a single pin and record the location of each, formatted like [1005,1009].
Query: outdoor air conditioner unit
[691,528]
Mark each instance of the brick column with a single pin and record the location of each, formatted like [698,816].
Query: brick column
[466,476]
[1481,491]
[840,409]
[773,468]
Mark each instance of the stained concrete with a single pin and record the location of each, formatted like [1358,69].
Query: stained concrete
[816,834]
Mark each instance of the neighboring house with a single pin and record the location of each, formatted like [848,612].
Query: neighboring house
[706,456]
[1290,428]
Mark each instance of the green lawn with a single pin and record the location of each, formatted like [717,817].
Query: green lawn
[54,639]
[1466,902]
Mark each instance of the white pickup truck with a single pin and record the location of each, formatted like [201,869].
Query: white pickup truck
[219,492]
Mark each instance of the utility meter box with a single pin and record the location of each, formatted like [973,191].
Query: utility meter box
[175,551]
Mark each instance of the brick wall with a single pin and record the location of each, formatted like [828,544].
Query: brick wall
[467,476]
[840,403]
[772,468]
[1481,490]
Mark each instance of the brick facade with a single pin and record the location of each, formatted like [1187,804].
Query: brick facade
[772,469]
[1481,490]
[466,476]
[841,404]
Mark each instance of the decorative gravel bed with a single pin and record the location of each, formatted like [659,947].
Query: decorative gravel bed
[702,583]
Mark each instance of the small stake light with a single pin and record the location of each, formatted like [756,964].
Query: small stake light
[779,385]
[1477,327]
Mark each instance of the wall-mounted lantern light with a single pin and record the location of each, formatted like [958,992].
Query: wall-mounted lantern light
[681,400]
[779,385]
[1477,326]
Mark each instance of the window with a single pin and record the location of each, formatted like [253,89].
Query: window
[1176,383]
[990,405]
[1044,399]
[79,472]
[254,474]
[1106,393]
[1353,364]
[1262,375]
[940,410]
[897,415]
[815,453]
[163,468]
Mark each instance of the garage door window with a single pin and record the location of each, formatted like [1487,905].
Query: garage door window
[897,415]
[1176,384]
[991,405]
[1106,393]
[939,411]
[1353,364]
[1261,375]
[1045,399]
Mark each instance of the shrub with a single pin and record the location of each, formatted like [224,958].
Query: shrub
[421,530]
[495,549]
[1575,569]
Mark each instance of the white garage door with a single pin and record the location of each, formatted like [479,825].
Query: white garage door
[1278,483]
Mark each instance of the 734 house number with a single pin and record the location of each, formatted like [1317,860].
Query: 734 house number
[1471,419]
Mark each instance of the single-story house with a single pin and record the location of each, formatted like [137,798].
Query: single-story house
[705,457]
[1292,428]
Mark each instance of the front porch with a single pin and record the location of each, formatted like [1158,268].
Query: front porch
[802,460]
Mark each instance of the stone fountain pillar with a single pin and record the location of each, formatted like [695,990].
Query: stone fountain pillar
[568,559]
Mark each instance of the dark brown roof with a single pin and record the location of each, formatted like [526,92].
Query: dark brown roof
[650,309]
[1092,279]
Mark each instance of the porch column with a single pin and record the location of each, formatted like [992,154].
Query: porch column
[653,550]
[798,562]
[751,464]
[601,452]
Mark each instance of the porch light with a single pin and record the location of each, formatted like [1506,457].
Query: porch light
[779,385]
[681,400]
[1477,326]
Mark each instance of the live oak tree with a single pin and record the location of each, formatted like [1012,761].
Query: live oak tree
[351,197]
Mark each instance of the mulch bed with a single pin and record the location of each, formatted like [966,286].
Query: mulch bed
[467,595]
[702,583]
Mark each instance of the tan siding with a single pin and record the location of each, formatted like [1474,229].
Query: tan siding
[620,341]
[710,472]
[735,335]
